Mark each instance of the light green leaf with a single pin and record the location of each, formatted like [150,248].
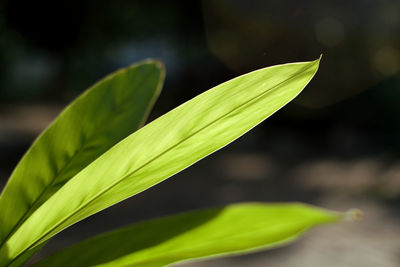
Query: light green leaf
[106,113]
[164,147]
[232,229]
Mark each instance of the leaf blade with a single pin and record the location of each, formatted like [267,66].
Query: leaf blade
[165,146]
[207,233]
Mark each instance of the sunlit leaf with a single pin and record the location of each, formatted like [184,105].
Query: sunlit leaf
[164,147]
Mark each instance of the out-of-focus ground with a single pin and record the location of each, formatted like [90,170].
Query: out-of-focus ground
[283,167]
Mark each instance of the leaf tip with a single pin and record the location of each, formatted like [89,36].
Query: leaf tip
[159,63]
[353,215]
[154,61]
[318,60]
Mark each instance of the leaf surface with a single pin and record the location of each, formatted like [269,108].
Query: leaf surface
[205,233]
[103,115]
[164,147]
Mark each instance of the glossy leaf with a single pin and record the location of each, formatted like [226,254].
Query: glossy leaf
[106,113]
[164,147]
[205,233]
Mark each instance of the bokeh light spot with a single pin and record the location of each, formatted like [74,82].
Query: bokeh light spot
[329,31]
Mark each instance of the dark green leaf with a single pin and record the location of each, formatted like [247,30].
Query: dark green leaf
[98,119]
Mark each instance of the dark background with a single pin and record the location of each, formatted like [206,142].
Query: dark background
[336,145]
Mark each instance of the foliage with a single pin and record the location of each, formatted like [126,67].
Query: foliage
[96,154]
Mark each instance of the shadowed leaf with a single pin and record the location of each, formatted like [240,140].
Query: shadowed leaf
[221,231]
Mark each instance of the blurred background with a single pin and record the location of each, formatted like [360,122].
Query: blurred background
[336,145]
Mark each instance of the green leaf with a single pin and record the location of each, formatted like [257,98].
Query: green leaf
[106,113]
[232,229]
[164,147]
